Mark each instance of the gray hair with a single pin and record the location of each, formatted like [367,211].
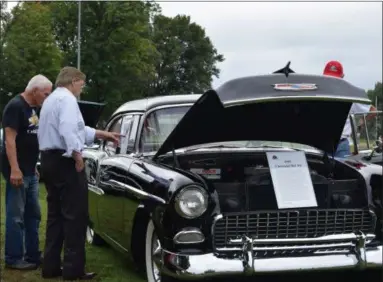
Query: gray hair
[38,81]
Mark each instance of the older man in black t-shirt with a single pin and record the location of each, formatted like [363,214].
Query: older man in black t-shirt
[19,158]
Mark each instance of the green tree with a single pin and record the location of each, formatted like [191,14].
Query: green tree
[188,58]
[116,52]
[376,95]
[4,21]
[29,48]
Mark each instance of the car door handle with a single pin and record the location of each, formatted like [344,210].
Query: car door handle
[138,193]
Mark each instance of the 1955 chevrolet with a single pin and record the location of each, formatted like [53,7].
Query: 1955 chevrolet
[192,191]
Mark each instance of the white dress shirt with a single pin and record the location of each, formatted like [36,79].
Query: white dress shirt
[355,108]
[61,124]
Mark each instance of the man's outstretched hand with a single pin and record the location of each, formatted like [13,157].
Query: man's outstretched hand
[109,136]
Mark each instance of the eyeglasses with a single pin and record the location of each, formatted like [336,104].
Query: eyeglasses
[83,84]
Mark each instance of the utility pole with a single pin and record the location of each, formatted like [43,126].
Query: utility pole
[376,118]
[79,37]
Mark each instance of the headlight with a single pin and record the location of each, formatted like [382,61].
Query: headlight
[191,202]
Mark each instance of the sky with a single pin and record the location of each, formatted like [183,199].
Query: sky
[261,37]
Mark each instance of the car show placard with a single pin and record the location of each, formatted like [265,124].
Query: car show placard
[291,180]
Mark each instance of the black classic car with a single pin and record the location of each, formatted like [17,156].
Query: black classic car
[366,137]
[189,192]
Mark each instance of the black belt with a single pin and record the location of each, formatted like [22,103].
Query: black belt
[343,139]
[53,151]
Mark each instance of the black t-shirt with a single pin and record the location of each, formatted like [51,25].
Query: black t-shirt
[23,118]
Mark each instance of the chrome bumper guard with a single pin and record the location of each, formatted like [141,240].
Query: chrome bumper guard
[356,254]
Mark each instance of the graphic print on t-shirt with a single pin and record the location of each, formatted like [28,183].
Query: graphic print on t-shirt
[21,117]
[33,123]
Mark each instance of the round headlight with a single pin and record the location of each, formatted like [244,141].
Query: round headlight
[191,202]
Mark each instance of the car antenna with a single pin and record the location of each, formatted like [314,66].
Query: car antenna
[286,70]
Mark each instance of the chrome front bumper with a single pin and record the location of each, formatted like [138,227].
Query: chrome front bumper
[193,267]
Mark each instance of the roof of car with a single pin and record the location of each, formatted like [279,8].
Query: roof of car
[145,104]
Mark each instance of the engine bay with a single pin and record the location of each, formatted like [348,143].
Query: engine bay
[243,182]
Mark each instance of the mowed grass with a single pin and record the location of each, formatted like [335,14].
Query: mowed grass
[109,264]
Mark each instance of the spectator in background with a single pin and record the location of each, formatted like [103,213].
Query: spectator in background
[335,69]
[19,158]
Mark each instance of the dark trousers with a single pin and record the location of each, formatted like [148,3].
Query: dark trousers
[67,214]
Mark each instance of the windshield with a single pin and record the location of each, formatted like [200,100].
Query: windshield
[158,126]
[160,123]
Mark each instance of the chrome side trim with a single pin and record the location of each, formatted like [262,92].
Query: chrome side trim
[140,194]
[96,190]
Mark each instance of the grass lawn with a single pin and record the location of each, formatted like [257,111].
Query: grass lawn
[109,264]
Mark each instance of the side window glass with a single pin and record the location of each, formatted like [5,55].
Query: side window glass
[126,141]
[127,127]
[110,147]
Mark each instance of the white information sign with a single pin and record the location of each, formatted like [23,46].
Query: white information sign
[291,180]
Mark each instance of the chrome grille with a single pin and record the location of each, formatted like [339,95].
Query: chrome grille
[291,224]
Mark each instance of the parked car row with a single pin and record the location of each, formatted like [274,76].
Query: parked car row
[192,191]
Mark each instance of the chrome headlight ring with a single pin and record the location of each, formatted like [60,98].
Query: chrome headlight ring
[191,202]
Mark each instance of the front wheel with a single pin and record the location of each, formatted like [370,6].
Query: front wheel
[152,246]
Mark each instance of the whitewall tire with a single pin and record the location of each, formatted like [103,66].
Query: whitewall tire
[151,243]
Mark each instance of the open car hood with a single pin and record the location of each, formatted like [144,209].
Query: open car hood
[306,109]
[91,112]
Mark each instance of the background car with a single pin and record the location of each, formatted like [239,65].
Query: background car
[367,139]
[189,193]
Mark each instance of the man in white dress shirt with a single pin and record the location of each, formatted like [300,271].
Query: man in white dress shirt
[335,68]
[62,135]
